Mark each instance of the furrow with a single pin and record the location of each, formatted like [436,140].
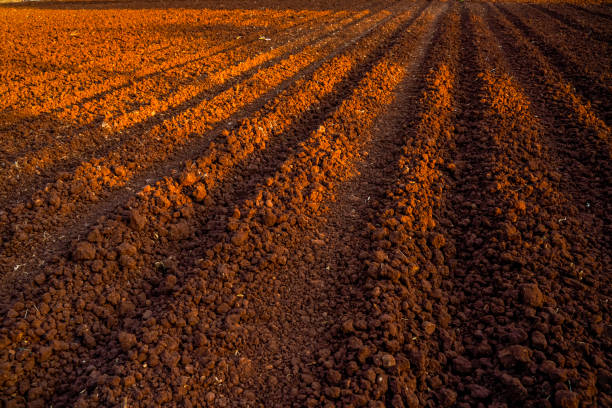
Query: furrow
[568,41]
[95,181]
[606,15]
[114,227]
[324,158]
[40,166]
[575,23]
[581,158]
[121,68]
[385,349]
[557,87]
[305,203]
[590,86]
[94,123]
[513,268]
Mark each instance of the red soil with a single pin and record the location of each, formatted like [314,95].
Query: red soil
[264,203]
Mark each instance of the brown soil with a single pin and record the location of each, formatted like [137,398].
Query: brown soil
[272,204]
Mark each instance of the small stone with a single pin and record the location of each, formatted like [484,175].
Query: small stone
[380,256]
[90,341]
[478,391]
[129,381]
[170,282]
[137,221]
[566,399]
[388,361]
[332,392]
[45,353]
[188,178]
[429,328]
[84,251]
[438,241]
[199,192]
[334,376]
[40,279]
[513,355]
[447,397]
[95,236]
[269,219]
[311,403]
[127,340]
[44,308]
[54,199]
[240,238]
[514,386]
[223,308]
[127,249]
[538,339]
[363,354]
[127,261]
[126,307]
[355,343]
[232,320]
[120,171]
[210,397]
[532,295]
[307,378]
[347,326]
[462,365]
[179,231]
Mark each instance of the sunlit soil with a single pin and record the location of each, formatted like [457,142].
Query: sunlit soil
[305,203]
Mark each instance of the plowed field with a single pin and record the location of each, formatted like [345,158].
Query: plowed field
[305,203]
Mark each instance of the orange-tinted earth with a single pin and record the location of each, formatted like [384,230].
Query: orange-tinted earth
[305,203]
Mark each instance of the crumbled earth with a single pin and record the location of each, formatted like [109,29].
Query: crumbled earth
[320,203]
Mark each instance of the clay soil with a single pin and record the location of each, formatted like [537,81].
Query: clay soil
[305,203]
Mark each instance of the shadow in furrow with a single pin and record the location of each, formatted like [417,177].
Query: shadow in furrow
[584,159]
[152,75]
[591,11]
[589,88]
[109,201]
[115,141]
[574,24]
[235,188]
[493,209]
